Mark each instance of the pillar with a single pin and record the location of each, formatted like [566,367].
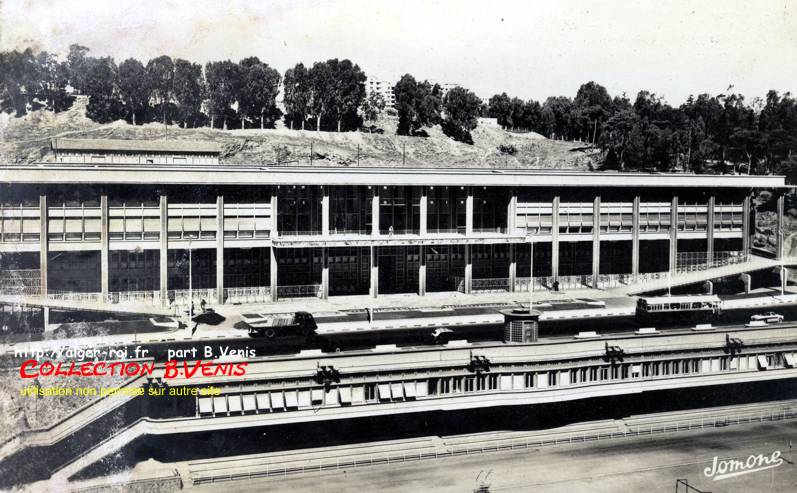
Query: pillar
[746,226]
[512,267]
[274,217]
[324,273]
[469,211]
[468,269]
[747,280]
[780,232]
[555,238]
[673,260]
[220,250]
[163,263]
[424,212]
[710,230]
[596,241]
[104,247]
[272,271]
[511,211]
[43,244]
[375,210]
[784,278]
[422,271]
[46,317]
[374,291]
[325,211]
[635,239]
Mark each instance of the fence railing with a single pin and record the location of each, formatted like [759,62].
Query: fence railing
[255,294]
[697,261]
[542,440]
[305,291]
[73,296]
[143,297]
[181,297]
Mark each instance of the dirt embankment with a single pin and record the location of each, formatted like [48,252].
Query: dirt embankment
[27,139]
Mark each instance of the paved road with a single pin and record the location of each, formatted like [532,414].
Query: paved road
[648,464]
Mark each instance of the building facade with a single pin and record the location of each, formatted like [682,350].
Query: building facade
[260,233]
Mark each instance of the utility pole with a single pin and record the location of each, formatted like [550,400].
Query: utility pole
[311,153]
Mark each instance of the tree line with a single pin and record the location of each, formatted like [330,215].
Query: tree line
[722,133]
[706,133]
[222,94]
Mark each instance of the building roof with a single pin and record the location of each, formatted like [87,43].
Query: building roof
[317,175]
[108,145]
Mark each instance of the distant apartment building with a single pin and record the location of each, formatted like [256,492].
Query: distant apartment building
[381,87]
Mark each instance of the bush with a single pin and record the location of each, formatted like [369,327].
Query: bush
[507,149]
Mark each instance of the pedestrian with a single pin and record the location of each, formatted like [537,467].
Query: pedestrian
[202,305]
[390,230]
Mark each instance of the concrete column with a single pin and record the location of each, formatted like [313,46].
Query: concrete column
[375,210]
[780,232]
[104,248]
[596,241]
[512,267]
[511,211]
[747,280]
[163,263]
[374,273]
[469,212]
[424,213]
[468,269]
[274,217]
[555,238]
[635,239]
[220,250]
[272,271]
[325,211]
[422,271]
[784,279]
[43,244]
[710,229]
[46,318]
[324,273]
[746,226]
[673,235]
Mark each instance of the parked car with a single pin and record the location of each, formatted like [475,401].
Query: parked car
[768,317]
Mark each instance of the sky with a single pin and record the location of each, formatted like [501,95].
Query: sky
[529,49]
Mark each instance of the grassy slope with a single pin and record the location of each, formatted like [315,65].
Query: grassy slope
[26,139]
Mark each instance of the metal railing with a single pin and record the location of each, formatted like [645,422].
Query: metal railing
[542,440]
[494,285]
[343,231]
[283,234]
[698,261]
[181,297]
[73,296]
[304,291]
[145,297]
[446,231]
[254,294]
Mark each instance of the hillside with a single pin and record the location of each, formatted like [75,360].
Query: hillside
[26,139]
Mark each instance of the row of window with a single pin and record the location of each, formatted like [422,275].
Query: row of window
[278,400]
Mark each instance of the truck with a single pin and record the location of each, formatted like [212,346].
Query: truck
[279,324]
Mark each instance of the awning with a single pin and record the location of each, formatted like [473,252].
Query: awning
[422,389]
[345,395]
[317,395]
[397,390]
[263,402]
[789,357]
[304,398]
[409,390]
[234,403]
[763,363]
[357,395]
[205,405]
[277,401]
[220,404]
[291,399]
[384,391]
[249,402]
